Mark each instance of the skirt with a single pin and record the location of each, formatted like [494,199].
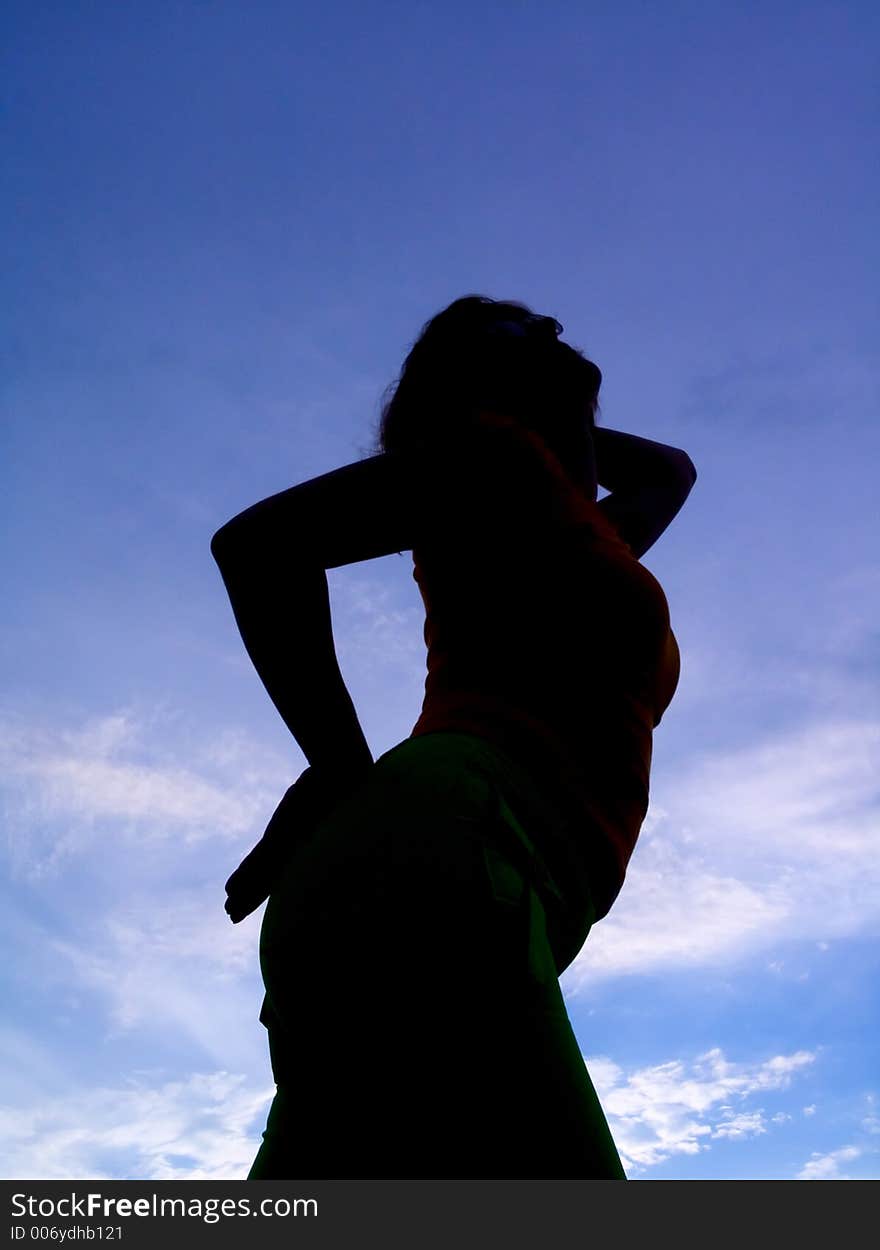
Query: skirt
[410,955]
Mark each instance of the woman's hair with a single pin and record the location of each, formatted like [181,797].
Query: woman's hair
[497,355]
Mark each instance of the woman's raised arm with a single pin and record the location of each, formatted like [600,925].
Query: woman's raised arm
[359,512]
[272,558]
[649,483]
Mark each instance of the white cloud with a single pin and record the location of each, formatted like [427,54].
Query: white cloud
[369,625]
[378,628]
[105,806]
[672,913]
[28,1063]
[176,967]
[827,1167]
[739,853]
[206,1127]
[679,1108]
[743,852]
[811,792]
[871,1122]
[748,1124]
[122,773]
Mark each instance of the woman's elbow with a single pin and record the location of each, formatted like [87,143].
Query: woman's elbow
[226,543]
[246,542]
[688,467]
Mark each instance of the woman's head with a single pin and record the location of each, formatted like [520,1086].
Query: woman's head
[481,353]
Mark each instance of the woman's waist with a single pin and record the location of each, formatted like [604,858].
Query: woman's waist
[590,759]
[585,802]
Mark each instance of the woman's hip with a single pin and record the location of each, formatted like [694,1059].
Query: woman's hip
[425,862]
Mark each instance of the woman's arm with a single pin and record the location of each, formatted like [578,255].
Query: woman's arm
[359,512]
[649,483]
[273,558]
[626,461]
[283,615]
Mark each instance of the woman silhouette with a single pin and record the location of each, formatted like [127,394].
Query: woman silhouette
[421,908]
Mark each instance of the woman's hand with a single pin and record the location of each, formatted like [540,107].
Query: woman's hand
[313,796]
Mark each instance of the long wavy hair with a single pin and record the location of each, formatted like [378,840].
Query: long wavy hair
[485,354]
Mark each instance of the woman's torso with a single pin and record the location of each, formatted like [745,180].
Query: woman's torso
[546,636]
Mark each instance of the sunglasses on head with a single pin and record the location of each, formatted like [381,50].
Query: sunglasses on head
[526,327]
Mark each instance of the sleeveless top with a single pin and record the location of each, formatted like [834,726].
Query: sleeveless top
[546,636]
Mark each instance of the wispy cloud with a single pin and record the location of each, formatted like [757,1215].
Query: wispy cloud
[680,1108]
[811,791]
[746,1124]
[134,775]
[763,388]
[871,1122]
[739,852]
[208,1125]
[378,627]
[204,1127]
[373,628]
[743,849]
[174,968]
[675,913]
[827,1167]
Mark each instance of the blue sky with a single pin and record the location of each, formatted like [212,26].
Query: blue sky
[225,225]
